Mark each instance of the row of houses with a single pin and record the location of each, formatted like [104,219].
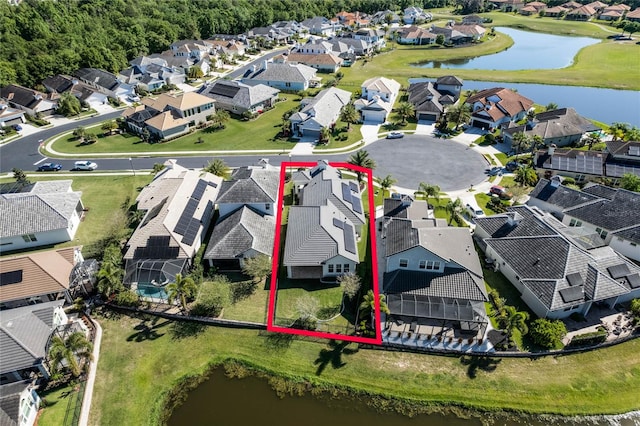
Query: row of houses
[578,11]
[452,33]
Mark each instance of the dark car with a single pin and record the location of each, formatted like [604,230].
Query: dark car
[494,171]
[49,167]
[500,192]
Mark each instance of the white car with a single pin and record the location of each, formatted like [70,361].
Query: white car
[474,212]
[85,165]
[395,135]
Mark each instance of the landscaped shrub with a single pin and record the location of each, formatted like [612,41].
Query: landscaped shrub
[497,205]
[213,297]
[548,334]
[568,181]
[635,307]
[127,298]
[305,323]
[589,339]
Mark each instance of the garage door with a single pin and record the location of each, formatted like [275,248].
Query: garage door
[428,117]
[306,272]
[480,124]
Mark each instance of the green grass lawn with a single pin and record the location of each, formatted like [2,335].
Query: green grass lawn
[353,135]
[136,372]
[55,404]
[238,135]
[548,25]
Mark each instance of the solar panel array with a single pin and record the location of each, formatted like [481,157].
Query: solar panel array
[349,239]
[224,90]
[157,248]
[338,223]
[618,271]
[580,164]
[575,279]
[11,277]
[571,294]
[188,225]
[349,197]
[634,280]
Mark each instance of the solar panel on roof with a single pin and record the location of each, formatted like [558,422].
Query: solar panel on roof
[338,223]
[571,294]
[198,192]
[634,280]
[186,216]
[618,271]
[224,90]
[215,185]
[346,193]
[349,239]
[11,277]
[191,232]
[356,203]
[575,279]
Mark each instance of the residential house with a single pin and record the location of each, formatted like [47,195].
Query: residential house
[28,100]
[385,17]
[24,333]
[528,10]
[45,276]
[323,62]
[151,73]
[169,116]
[179,205]
[290,27]
[598,6]
[349,48]
[556,11]
[378,96]
[19,403]
[37,214]
[472,20]
[498,106]
[414,15]
[321,26]
[372,36]
[562,127]
[315,46]
[431,271]
[10,116]
[508,5]
[431,99]
[251,186]
[459,34]
[415,35]
[611,15]
[104,82]
[59,84]
[557,272]
[352,19]
[582,13]
[618,159]
[272,34]
[323,111]
[321,239]
[239,98]
[230,47]
[283,76]
[634,15]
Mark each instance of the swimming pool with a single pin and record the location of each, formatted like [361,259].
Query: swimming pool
[150,291]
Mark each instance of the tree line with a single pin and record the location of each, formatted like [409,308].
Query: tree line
[41,38]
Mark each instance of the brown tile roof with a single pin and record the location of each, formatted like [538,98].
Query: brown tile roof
[182,102]
[583,11]
[315,59]
[511,103]
[634,14]
[42,273]
[166,121]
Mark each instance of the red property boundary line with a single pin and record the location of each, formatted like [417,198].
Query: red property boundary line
[273,288]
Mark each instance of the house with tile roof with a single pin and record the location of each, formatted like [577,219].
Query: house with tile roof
[19,403]
[413,15]
[634,15]
[323,62]
[179,204]
[41,276]
[322,111]
[283,76]
[372,36]
[377,99]
[497,106]
[60,83]
[104,82]
[431,271]
[556,11]
[430,99]
[239,98]
[582,13]
[562,127]
[28,100]
[556,272]
[10,116]
[253,186]
[415,35]
[321,26]
[43,213]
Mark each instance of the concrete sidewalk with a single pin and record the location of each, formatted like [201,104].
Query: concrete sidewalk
[93,367]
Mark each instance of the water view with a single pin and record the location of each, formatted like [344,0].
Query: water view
[529,51]
[251,401]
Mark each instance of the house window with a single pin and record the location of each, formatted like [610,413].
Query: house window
[430,265]
[404,263]
[267,206]
[436,265]
[603,234]
[287,84]
[338,268]
[422,264]
[346,268]
[330,268]
[29,238]
[575,222]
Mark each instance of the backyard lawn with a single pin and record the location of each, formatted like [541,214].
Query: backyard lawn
[354,135]
[238,135]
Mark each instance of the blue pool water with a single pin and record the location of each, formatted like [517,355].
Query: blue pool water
[151,291]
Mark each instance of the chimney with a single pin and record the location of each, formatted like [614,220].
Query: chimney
[264,65]
[556,181]
[406,201]
[513,219]
[552,149]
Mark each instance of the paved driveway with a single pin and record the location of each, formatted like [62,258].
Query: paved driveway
[420,158]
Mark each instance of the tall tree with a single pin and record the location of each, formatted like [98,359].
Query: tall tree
[181,288]
[511,319]
[68,105]
[195,73]
[368,304]
[70,350]
[217,167]
[349,115]
[459,114]
[592,139]
[350,284]
[220,118]
[361,158]
[109,279]
[521,142]
[551,106]
[630,182]
[405,110]
[429,190]
[618,130]
[20,176]
[385,184]
[453,209]
[526,176]
[257,267]
[325,135]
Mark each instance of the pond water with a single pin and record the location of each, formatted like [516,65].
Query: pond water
[529,51]
[252,401]
[606,105]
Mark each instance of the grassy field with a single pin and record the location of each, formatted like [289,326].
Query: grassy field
[238,135]
[55,403]
[549,25]
[353,136]
[136,370]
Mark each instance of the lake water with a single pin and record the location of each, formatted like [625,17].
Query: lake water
[252,401]
[606,105]
[529,51]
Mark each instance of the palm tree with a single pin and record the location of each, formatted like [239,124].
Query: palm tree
[459,114]
[526,176]
[511,319]
[325,135]
[220,118]
[349,115]
[453,209]
[361,158]
[109,279]
[618,130]
[79,132]
[551,106]
[217,167]
[181,288]
[429,191]
[593,139]
[405,110]
[386,183]
[521,142]
[74,347]
[367,306]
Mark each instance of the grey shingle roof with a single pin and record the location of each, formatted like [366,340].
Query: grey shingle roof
[630,234]
[240,231]
[313,237]
[240,94]
[250,185]
[611,215]
[281,73]
[324,107]
[561,195]
[452,283]
[517,222]
[523,254]
[405,207]
[99,77]
[10,402]
[600,191]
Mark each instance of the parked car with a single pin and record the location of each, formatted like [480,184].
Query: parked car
[85,165]
[395,135]
[474,212]
[133,98]
[512,166]
[17,127]
[500,192]
[49,167]
[494,171]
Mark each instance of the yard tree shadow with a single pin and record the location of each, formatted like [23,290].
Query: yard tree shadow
[183,329]
[146,331]
[278,340]
[333,356]
[484,363]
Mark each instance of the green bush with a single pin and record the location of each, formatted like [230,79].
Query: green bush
[213,297]
[589,339]
[127,298]
[548,333]
[568,181]
[635,307]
